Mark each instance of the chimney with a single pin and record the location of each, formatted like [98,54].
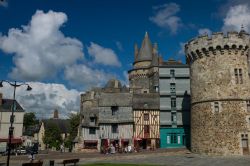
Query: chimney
[1,99]
[56,114]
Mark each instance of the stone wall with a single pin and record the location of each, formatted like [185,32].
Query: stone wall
[212,66]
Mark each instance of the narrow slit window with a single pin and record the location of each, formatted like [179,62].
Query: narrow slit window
[216,107]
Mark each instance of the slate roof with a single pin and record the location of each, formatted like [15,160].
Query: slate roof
[146,101]
[7,104]
[63,124]
[146,50]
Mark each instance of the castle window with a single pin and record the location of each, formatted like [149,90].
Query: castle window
[146,117]
[216,107]
[238,76]
[114,128]
[172,88]
[114,110]
[248,106]
[173,102]
[156,88]
[92,130]
[172,73]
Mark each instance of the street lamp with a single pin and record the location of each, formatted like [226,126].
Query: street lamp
[11,129]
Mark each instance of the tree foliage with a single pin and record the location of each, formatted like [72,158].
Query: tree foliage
[52,136]
[74,123]
[30,119]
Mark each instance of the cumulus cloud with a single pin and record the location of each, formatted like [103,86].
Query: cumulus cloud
[83,75]
[40,47]
[165,17]
[4,3]
[236,16]
[204,31]
[45,98]
[105,56]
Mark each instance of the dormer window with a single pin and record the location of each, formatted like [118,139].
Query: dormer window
[92,119]
[114,110]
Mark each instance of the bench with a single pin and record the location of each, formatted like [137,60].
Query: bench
[70,161]
[34,163]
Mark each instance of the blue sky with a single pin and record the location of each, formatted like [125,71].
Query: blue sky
[63,48]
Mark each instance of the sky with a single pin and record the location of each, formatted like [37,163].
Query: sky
[63,48]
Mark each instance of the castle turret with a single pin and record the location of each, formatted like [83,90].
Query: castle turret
[145,58]
[220,93]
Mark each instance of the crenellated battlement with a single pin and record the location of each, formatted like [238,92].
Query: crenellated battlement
[217,44]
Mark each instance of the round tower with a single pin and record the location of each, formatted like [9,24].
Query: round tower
[220,93]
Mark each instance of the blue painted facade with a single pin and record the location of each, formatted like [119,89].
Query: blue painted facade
[174,89]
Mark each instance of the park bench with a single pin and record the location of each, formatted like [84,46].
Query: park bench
[69,161]
[33,163]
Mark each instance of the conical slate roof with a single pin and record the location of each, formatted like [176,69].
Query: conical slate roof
[146,50]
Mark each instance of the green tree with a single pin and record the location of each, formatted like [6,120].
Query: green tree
[29,119]
[52,136]
[74,123]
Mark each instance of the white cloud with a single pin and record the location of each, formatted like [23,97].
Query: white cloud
[165,17]
[105,56]
[182,49]
[119,45]
[45,98]
[86,76]
[4,3]
[40,49]
[236,16]
[204,31]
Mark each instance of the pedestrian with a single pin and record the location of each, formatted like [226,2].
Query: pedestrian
[61,148]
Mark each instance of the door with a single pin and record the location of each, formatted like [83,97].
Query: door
[245,146]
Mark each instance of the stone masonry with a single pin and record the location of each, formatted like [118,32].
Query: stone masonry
[220,93]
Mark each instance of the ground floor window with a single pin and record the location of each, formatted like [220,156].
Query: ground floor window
[90,144]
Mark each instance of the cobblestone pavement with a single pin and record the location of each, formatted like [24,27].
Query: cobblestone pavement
[173,157]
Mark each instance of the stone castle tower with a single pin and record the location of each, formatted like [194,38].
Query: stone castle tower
[143,78]
[220,93]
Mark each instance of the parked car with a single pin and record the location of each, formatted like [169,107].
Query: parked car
[21,150]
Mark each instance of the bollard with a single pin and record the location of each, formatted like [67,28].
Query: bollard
[51,163]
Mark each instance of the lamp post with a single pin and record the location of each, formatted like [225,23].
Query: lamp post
[13,108]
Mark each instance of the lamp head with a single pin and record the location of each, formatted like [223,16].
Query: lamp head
[29,88]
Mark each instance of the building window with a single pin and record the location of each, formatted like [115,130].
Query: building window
[173,137]
[172,88]
[156,89]
[248,106]
[92,130]
[92,119]
[114,110]
[114,128]
[216,107]
[238,76]
[172,73]
[146,117]
[146,129]
[173,117]
[173,102]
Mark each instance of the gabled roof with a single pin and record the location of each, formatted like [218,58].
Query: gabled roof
[63,124]
[7,105]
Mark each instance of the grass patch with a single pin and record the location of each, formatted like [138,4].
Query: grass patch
[115,164]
